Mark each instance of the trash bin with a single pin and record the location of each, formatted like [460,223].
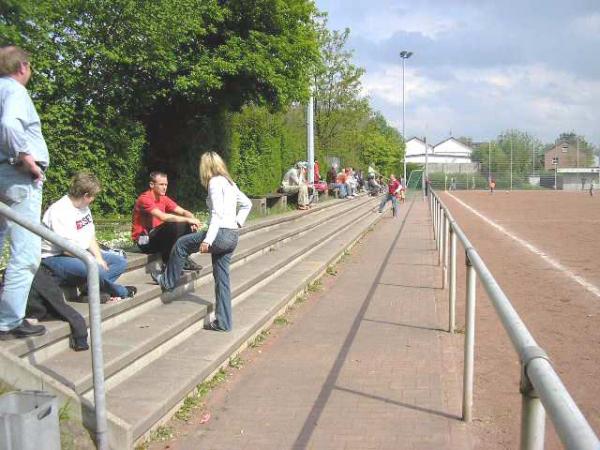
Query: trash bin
[29,421]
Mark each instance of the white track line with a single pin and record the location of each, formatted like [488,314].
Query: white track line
[554,263]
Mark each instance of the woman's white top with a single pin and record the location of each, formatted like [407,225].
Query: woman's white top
[70,222]
[222,201]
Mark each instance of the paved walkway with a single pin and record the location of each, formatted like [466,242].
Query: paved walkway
[367,366]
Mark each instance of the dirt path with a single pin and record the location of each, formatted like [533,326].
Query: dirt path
[560,313]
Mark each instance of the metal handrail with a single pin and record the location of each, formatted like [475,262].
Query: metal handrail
[93,286]
[541,388]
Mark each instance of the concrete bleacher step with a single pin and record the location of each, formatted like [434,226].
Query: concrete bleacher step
[140,334]
[263,235]
[145,398]
[276,258]
[138,260]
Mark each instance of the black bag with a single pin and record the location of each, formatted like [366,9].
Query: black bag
[46,301]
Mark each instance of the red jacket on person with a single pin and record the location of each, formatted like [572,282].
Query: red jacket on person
[393,186]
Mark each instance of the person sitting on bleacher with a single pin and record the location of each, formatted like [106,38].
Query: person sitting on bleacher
[373,187]
[294,182]
[333,184]
[351,183]
[340,184]
[158,221]
[71,218]
[360,180]
[331,174]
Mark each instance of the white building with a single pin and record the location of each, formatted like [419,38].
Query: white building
[449,151]
[415,151]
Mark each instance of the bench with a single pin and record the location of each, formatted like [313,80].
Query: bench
[268,201]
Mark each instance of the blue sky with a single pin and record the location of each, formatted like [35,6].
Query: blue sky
[479,66]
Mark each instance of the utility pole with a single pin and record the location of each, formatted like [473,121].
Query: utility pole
[577,146]
[511,162]
[310,137]
[404,55]
[489,161]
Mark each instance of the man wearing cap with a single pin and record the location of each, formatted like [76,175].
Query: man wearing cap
[23,160]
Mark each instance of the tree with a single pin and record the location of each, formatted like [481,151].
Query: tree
[337,88]
[121,81]
[346,126]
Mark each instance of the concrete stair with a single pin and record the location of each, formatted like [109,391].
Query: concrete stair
[155,348]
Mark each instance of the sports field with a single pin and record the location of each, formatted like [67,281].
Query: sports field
[543,248]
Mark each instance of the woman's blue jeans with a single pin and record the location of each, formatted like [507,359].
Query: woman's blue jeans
[73,271]
[221,250]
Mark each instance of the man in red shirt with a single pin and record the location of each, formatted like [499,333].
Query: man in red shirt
[158,221]
[393,189]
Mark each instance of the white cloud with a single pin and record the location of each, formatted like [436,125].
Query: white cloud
[386,85]
[480,66]
[482,103]
[588,25]
[381,24]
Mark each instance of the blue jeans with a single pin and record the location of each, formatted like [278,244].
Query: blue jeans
[386,199]
[342,189]
[72,271]
[25,198]
[221,250]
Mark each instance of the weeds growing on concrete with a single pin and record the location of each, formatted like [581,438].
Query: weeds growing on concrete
[162,433]
[5,388]
[64,412]
[236,362]
[331,270]
[281,321]
[315,286]
[195,399]
[259,339]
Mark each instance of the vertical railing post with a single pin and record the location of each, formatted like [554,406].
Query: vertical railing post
[533,414]
[445,250]
[452,288]
[467,407]
[434,217]
[93,285]
[431,203]
[442,240]
[439,233]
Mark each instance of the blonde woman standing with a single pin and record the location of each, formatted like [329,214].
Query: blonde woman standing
[220,240]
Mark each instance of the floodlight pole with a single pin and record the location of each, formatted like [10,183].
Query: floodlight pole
[489,161]
[310,139]
[511,162]
[404,55]
[577,146]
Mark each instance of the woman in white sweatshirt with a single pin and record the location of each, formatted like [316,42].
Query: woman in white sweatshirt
[220,240]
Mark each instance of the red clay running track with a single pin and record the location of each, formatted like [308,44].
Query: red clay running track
[562,315]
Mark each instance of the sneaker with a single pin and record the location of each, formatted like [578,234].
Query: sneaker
[191,265]
[213,326]
[23,331]
[131,291]
[157,277]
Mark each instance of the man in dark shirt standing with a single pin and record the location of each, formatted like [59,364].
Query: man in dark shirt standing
[158,221]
